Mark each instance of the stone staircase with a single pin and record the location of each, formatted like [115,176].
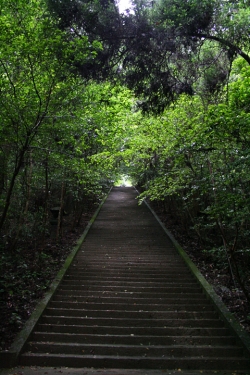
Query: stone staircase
[129,301]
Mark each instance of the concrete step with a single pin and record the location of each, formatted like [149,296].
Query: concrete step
[123,314]
[143,331]
[135,269]
[119,260]
[126,273]
[126,282]
[91,276]
[183,305]
[195,363]
[132,339]
[129,288]
[127,322]
[196,294]
[134,350]
[139,299]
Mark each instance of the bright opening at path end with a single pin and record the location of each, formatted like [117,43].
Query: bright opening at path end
[123,5]
[123,180]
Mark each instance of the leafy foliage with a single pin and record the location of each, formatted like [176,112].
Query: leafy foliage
[206,178]
[160,49]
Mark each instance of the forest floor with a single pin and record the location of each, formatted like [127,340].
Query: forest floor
[28,274]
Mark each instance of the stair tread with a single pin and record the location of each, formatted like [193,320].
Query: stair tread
[231,358]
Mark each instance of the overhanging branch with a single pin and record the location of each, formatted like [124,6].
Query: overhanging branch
[225,43]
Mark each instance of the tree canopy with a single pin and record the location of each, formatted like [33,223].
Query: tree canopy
[161,48]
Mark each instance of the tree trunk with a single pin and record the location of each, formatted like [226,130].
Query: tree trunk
[26,207]
[46,199]
[18,166]
[60,214]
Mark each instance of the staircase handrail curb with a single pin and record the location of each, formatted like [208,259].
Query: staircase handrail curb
[239,333]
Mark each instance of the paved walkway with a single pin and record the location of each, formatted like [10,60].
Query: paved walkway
[129,305]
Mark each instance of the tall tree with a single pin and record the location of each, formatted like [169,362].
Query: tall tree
[36,80]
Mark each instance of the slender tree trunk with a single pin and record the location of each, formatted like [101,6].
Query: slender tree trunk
[26,207]
[46,199]
[19,163]
[60,214]
[80,216]
[238,275]
[3,166]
